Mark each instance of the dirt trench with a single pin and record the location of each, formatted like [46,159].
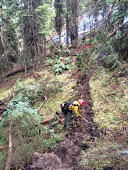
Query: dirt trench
[66,156]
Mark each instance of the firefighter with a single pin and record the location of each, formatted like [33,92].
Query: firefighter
[68,108]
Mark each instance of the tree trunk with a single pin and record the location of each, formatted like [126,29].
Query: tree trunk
[67,23]
[59,37]
[23,39]
[8,162]
[44,47]
[76,22]
[104,14]
[4,42]
[24,47]
[34,39]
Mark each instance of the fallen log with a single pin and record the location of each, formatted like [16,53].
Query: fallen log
[54,124]
[16,71]
[7,167]
[49,120]
[57,117]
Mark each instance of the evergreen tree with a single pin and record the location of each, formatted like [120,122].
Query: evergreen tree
[59,21]
[72,21]
[8,34]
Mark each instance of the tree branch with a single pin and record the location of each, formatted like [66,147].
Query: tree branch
[105,41]
[92,59]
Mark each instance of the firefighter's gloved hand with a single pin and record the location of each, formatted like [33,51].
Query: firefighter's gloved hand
[78,117]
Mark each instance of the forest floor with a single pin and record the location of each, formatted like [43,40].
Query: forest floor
[67,153]
[83,134]
[82,130]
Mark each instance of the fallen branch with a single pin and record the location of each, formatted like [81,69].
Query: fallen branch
[54,124]
[52,119]
[41,105]
[49,120]
[35,123]
[7,167]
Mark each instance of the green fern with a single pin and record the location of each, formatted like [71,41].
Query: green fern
[111,61]
[62,65]
[67,60]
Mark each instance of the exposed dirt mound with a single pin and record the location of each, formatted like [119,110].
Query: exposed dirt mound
[67,153]
[47,161]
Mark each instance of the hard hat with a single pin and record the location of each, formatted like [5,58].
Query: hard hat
[81,101]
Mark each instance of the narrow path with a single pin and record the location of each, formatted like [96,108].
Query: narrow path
[66,156]
[79,137]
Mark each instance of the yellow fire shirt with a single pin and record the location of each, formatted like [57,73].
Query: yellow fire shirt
[74,106]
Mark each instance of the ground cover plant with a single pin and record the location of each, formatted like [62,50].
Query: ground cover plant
[110,105]
[108,92]
[59,64]
[40,69]
[27,133]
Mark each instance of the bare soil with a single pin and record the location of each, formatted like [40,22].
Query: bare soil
[66,155]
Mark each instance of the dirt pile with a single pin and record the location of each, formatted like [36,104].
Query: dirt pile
[47,161]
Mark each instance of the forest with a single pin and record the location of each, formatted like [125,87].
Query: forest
[52,51]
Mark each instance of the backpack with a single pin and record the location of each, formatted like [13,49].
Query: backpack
[64,107]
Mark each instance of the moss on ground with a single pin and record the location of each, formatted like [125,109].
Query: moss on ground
[110,106]
[66,94]
[110,100]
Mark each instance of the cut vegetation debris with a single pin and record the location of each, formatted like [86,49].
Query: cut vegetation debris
[45,94]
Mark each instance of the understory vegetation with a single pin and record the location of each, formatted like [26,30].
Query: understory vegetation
[109,94]
[39,70]
[33,102]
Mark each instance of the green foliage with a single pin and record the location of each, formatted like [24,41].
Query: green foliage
[111,61]
[27,138]
[43,15]
[67,60]
[39,91]
[21,106]
[59,64]
[50,88]
[119,43]
[27,133]
[59,19]
[83,60]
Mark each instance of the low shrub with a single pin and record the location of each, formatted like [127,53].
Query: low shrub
[59,64]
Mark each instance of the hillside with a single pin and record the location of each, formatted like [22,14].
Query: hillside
[63,85]
[95,141]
